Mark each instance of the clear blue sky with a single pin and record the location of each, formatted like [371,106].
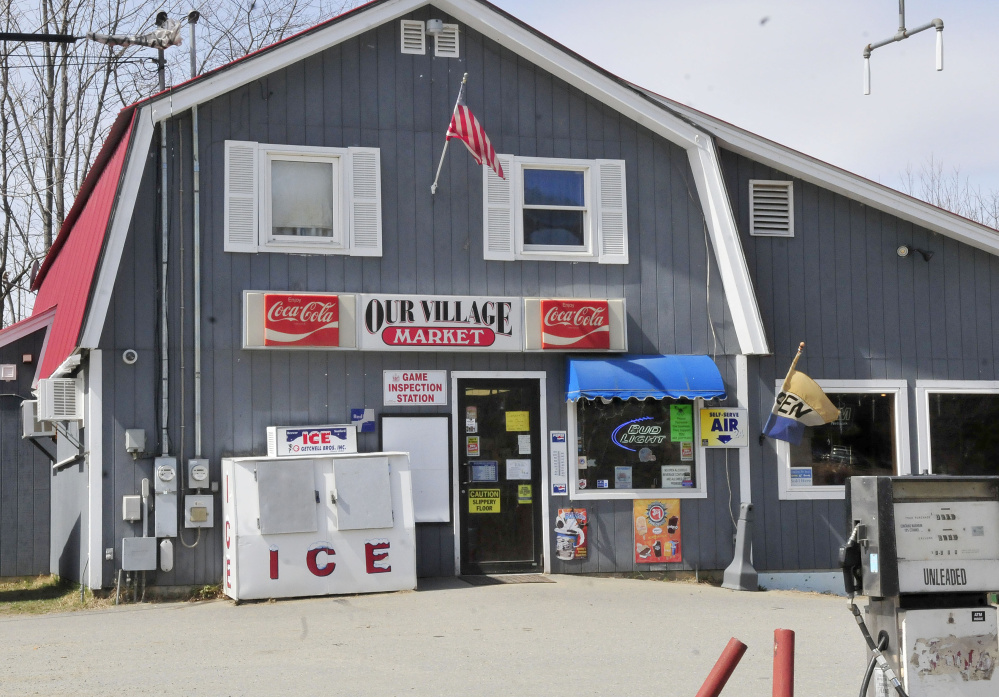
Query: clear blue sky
[792,70]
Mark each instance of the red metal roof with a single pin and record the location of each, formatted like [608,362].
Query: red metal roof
[65,279]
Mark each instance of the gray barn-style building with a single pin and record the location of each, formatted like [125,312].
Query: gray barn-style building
[637,262]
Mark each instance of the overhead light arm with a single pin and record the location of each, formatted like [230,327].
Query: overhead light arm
[900,35]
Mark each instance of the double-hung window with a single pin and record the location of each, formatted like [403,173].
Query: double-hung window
[556,210]
[869,438]
[302,200]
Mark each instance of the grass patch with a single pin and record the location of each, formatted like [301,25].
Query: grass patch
[38,595]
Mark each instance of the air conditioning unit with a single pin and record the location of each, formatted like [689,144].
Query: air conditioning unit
[32,427]
[60,399]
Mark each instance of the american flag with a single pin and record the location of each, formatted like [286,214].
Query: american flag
[465,127]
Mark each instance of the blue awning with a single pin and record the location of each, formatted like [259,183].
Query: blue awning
[644,377]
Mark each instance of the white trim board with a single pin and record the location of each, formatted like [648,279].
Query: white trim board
[840,181]
[95,470]
[27,326]
[121,220]
[545,497]
[923,389]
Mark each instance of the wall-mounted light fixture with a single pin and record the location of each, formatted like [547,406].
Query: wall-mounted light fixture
[905,250]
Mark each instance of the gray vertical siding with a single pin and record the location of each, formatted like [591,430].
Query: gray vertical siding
[865,314]
[24,471]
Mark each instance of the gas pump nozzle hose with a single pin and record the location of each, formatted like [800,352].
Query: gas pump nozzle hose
[850,561]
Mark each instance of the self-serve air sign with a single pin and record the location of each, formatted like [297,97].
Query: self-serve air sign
[724,428]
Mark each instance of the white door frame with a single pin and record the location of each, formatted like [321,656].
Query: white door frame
[459,430]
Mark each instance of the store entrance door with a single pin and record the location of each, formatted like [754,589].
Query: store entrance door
[499,475]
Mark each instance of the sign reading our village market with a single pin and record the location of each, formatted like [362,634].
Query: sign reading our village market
[440,323]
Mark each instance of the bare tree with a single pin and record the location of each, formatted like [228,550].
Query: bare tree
[57,100]
[950,190]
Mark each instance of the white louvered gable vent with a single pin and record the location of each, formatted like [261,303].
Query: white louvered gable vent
[771,208]
[60,399]
[414,37]
[446,43]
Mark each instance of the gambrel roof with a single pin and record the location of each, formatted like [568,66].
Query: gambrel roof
[700,136]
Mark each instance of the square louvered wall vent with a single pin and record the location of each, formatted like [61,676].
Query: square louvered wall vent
[414,37]
[446,43]
[771,208]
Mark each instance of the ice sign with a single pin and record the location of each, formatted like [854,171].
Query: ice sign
[292,441]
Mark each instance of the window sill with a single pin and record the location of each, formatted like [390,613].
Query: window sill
[633,494]
[814,493]
[549,255]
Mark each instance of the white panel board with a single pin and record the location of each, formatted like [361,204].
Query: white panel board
[426,439]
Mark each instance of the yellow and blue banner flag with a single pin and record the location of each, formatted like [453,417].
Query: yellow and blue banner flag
[800,403]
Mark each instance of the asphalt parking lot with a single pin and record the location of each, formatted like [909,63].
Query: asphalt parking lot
[576,636]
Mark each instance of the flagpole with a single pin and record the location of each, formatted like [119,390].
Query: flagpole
[794,364]
[433,187]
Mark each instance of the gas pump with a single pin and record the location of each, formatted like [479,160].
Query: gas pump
[925,552]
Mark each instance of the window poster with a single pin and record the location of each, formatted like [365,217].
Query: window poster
[518,469]
[622,477]
[676,476]
[657,531]
[681,422]
[484,471]
[518,421]
[801,477]
[570,534]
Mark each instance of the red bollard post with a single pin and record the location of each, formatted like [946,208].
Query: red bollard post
[783,663]
[722,671]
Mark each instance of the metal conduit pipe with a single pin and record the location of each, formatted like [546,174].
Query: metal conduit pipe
[901,34]
[164,331]
[196,163]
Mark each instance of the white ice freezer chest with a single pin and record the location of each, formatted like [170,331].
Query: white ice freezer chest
[325,525]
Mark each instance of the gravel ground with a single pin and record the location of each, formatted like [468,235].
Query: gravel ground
[577,636]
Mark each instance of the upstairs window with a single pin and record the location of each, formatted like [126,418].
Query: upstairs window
[302,200]
[556,210]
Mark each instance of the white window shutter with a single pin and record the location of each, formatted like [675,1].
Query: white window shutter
[365,198]
[498,211]
[612,212]
[240,196]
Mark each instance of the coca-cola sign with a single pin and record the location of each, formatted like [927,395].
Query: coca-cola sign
[301,320]
[575,324]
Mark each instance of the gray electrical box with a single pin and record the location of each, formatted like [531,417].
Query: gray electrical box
[199,511]
[165,501]
[198,473]
[135,440]
[131,508]
[138,554]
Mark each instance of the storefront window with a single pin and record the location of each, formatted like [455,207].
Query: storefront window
[963,436]
[635,444]
[861,442]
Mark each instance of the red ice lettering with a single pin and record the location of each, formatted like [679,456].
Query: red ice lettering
[312,561]
[376,557]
